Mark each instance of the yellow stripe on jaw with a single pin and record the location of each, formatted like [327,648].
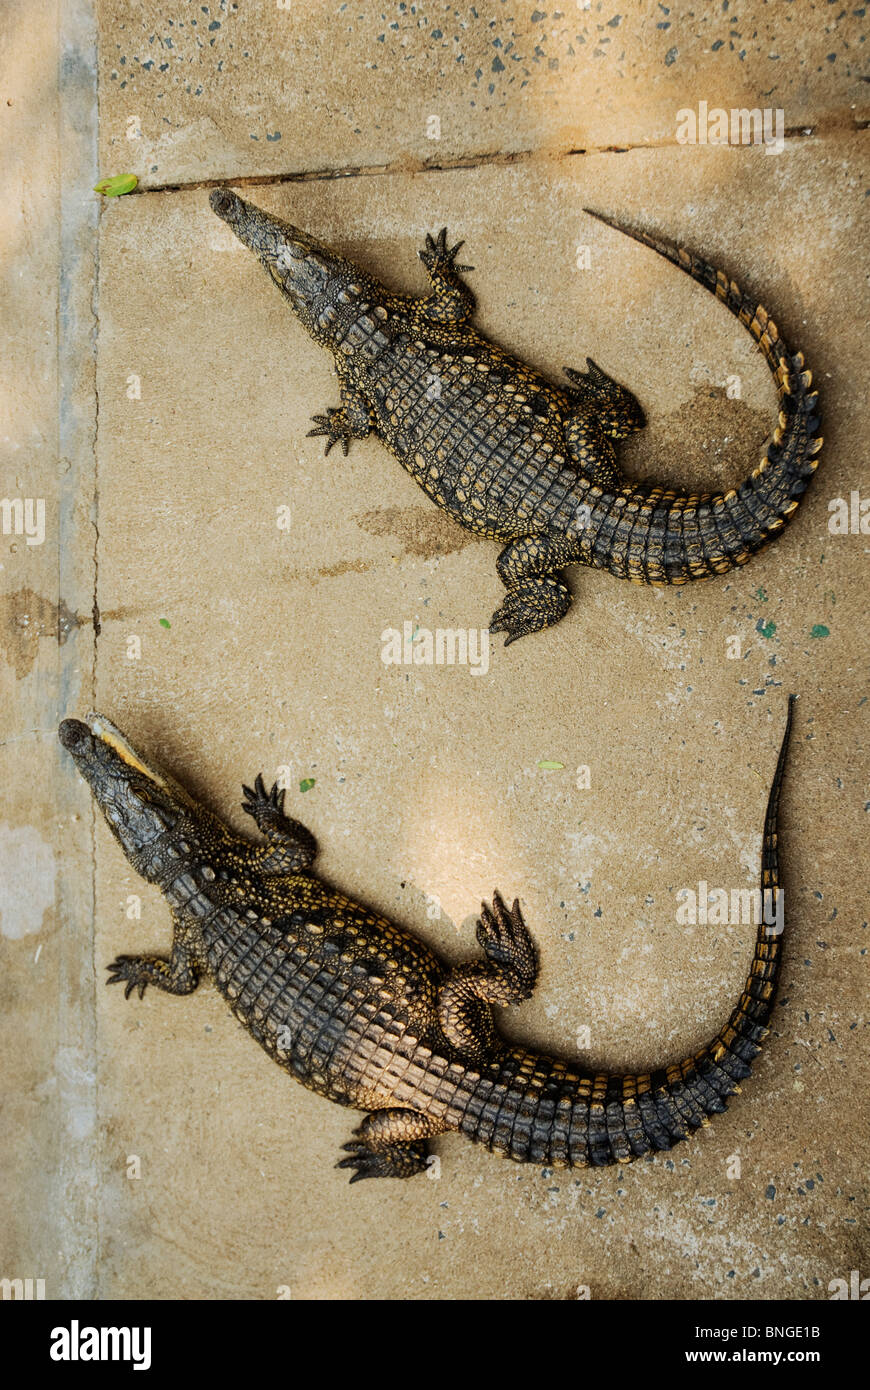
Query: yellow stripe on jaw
[105,731]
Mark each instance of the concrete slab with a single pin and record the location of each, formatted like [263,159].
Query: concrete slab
[48,235]
[222,90]
[150,1149]
[260,648]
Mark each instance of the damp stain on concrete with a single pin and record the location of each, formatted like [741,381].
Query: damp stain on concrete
[330,571]
[27,880]
[25,617]
[421,531]
[715,440]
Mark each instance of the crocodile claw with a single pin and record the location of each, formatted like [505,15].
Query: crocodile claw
[291,845]
[262,804]
[364,1160]
[334,426]
[392,1161]
[126,970]
[530,605]
[511,618]
[438,258]
[505,940]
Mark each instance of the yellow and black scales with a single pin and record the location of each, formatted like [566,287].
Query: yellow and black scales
[357,1009]
[507,453]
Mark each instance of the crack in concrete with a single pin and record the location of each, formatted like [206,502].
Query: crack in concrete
[28,734]
[409,165]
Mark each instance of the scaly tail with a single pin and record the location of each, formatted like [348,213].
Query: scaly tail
[698,1087]
[679,538]
[537,1109]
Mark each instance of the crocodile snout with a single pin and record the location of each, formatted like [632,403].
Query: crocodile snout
[224,202]
[75,736]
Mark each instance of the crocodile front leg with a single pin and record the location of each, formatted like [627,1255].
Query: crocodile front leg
[178,975]
[507,977]
[537,595]
[390,1144]
[354,420]
[291,846]
[451,301]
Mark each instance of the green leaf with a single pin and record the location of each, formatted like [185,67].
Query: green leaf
[819,630]
[116,186]
[164,622]
[548,765]
[307,783]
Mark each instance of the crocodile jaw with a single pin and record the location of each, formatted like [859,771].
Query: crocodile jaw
[307,273]
[139,802]
[86,740]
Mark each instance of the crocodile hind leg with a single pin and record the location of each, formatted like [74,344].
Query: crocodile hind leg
[617,411]
[291,846]
[390,1144]
[178,975]
[591,451]
[537,595]
[511,969]
[507,976]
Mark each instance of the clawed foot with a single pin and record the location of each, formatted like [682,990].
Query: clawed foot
[267,808]
[505,940]
[291,846]
[391,1161]
[617,410]
[530,605]
[335,426]
[438,258]
[136,971]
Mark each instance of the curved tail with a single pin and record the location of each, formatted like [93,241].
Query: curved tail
[537,1109]
[654,536]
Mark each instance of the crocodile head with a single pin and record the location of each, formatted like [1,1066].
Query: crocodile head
[307,273]
[139,802]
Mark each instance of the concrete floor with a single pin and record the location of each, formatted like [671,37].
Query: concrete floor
[157,396]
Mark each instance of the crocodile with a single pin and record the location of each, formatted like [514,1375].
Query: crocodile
[505,451]
[359,1010]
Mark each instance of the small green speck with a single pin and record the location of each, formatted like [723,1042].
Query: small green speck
[164,622]
[767,629]
[819,630]
[116,186]
[548,765]
[307,783]
[761,595]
